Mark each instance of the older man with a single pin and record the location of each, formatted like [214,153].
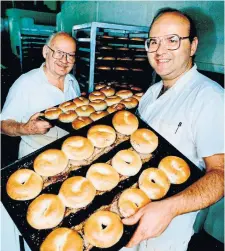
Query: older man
[37,90]
[186,108]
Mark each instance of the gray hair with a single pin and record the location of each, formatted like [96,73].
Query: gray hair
[55,34]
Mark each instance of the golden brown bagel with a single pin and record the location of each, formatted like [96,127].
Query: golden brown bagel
[144,140]
[50,162]
[103,229]
[85,110]
[52,113]
[154,183]
[131,200]
[45,212]
[80,122]
[80,101]
[68,116]
[124,94]
[77,192]
[127,162]
[96,95]
[24,184]
[103,176]
[77,148]
[62,239]
[98,115]
[176,169]
[125,122]
[67,106]
[101,135]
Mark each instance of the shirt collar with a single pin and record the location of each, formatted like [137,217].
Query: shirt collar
[68,79]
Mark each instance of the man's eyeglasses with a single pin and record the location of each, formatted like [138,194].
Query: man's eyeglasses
[60,54]
[171,42]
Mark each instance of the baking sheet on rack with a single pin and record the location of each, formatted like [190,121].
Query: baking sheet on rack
[17,209]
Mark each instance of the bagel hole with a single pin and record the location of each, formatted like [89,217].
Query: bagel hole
[136,204]
[152,181]
[104,226]
[127,162]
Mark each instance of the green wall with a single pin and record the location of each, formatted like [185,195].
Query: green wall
[208,15]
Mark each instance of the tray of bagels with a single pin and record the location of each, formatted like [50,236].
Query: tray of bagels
[73,193]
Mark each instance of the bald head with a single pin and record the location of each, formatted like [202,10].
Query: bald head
[61,35]
[183,18]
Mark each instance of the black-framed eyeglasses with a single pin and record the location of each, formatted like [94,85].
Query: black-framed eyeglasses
[171,42]
[60,54]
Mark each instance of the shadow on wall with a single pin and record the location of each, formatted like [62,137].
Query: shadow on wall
[206,33]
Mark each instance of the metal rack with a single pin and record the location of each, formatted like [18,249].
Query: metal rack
[32,38]
[93,37]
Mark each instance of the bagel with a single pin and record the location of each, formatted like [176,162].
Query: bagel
[98,115]
[77,148]
[154,183]
[24,184]
[67,106]
[80,122]
[125,122]
[144,141]
[62,239]
[101,135]
[108,91]
[99,86]
[80,101]
[138,95]
[68,116]
[176,169]
[131,200]
[98,105]
[85,110]
[103,176]
[96,95]
[127,162]
[77,192]
[50,162]
[52,113]
[129,102]
[115,107]
[103,229]
[124,94]
[112,100]
[45,212]
[135,88]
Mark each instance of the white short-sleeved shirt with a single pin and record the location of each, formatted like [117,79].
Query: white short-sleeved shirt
[33,93]
[196,103]
[190,115]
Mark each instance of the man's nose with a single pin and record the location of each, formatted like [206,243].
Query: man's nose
[162,48]
[64,58]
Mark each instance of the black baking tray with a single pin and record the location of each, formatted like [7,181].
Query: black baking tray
[17,209]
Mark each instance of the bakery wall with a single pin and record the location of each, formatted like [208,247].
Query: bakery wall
[208,15]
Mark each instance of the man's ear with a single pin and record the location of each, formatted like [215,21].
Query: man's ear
[45,51]
[194,46]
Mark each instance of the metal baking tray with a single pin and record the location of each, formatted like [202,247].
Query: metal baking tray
[17,209]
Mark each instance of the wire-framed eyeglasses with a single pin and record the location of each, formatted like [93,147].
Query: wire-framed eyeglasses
[60,54]
[171,42]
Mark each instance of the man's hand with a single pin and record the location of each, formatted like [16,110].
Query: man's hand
[153,220]
[35,125]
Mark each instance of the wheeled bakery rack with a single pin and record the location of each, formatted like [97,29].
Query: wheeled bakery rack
[111,52]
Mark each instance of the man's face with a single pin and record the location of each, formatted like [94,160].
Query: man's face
[59,67]
[170,65]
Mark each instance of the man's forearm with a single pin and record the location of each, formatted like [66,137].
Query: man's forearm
[12,128]
[203,193]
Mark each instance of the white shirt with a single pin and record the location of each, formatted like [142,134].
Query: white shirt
[197,104]
[33,93]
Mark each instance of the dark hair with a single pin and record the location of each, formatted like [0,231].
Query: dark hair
[192,31]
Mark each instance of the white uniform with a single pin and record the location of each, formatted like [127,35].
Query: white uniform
[29,94]
[33,93]
[196,103]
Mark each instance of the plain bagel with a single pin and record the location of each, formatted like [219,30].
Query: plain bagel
[176,169]
[103,229]
[50,162]
[45,212]
[62,239]
[24,184]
